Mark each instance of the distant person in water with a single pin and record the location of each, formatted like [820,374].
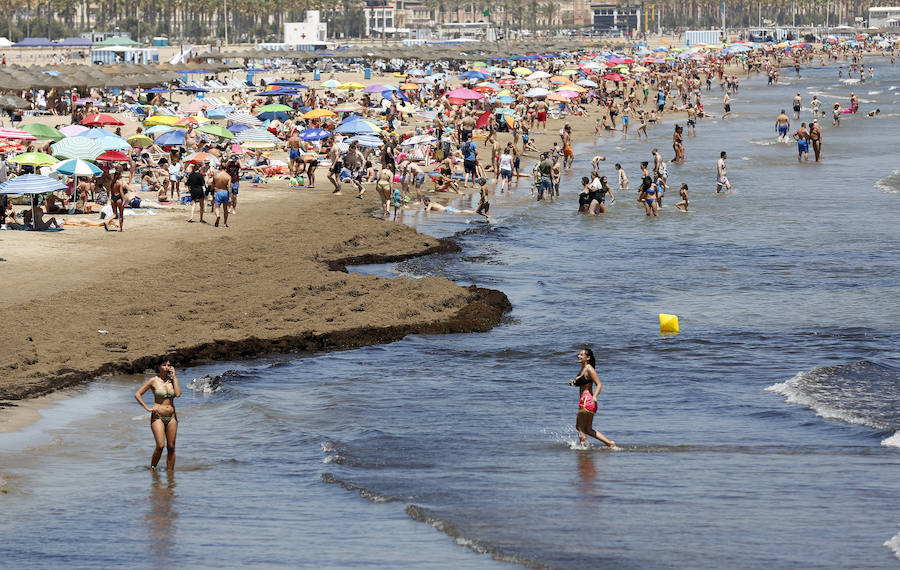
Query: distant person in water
[589,386]
[163,419]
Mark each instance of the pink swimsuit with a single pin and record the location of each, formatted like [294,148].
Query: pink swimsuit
[587,402]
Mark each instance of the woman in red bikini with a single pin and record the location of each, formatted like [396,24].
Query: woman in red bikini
[587,402]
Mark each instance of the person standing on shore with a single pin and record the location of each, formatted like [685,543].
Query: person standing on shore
[726,103]
[587,380]
[196,183]
[163,419]
[721,174]
[222,196]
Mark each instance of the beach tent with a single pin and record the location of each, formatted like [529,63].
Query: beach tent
[34,42]
[4,42]
[118,41]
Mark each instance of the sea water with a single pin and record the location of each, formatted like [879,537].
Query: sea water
[763,435]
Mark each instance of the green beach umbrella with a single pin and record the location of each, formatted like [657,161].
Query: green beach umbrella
[34,159]
[43,132]
[273,108]
[217,130]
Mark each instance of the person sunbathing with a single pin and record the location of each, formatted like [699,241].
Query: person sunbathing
[35,218]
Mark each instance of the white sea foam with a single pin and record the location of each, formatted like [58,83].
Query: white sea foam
[894,545]
[850,81]
[892,87]
[794,394]
[893,441]
[873,92]
[764,143]
[890,184]
[204,385]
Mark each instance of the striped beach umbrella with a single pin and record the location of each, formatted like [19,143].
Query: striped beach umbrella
[31,184]
[255,137]
[16,135]
[77,147]
[244,118]
[76,167]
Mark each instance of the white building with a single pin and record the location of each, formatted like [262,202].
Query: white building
[884,17]
[311,33]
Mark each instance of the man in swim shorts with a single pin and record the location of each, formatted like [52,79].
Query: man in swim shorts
[797,107]
[293,147]
[222,196]
[802,137]
[721,174]
[782,124]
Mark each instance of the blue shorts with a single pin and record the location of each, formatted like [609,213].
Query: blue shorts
[782,129]
[234,187]
[222,197]
[802,146]
[294,154]
[420,178]
[506,174]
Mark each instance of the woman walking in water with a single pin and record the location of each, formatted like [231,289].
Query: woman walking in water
[587,402]
[163,420]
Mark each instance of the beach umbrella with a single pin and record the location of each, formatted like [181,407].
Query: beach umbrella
[522,71]
[537,92]
[613,77]
[330,84]
[244,118]
[31,184]
[77,147]
[538,75]
[139,141]
[472,74]
[587,83]
[157,129]
[113,156]
[76,167]
[464,94]
[34,159]
[314,134]
[192,120]
[348,108]
[174,137]
[11,101]
[43,132]
[238,128]
[409,87]
[375,88]
[192,89]
[72,130]
[100,119]
[200,158]
[167,120]
[16,134]
[195,107]
[557,97]
[351,86]
[357,126]
[367,141]
[318,114]
[256,136]
[216,131]
[219,112]
[275,108]
[418,139]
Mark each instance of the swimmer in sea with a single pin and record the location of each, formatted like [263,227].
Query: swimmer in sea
[163,419]
[683,205]
[721,174]
[435,207]
[587,381]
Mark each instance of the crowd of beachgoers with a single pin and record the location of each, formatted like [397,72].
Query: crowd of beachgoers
[409,129]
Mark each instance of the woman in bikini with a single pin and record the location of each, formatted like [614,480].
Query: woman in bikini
[117,198]
[163,419]
[589,386]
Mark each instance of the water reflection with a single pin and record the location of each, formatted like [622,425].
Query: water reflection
[162,517]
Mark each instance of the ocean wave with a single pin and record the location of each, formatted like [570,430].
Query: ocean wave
[211,384]
[861,393]
[890,184]
[850,81]
[893,441]
[767,142]
[873,93]
[894,545]
[367,494]
[419,514]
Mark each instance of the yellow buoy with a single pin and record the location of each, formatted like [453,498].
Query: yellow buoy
[668,324]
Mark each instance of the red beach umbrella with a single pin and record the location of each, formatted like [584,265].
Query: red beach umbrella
[113,156]
[100,120]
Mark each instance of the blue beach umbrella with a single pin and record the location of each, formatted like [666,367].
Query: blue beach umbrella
[174,137]
[358,127]
[314,134]
[31,184]
[76,167]
[219,112]
[238,128]
[157,129]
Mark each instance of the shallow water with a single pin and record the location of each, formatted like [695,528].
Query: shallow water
[764,434]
